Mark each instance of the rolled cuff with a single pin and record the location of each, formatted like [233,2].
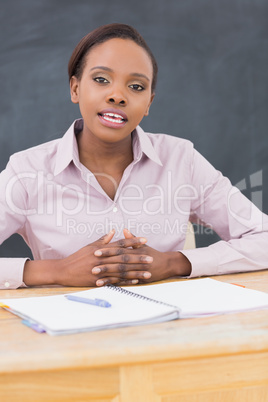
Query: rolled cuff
[204,261]
[11,273]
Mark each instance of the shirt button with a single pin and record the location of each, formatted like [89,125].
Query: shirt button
[115,209]
[7,284]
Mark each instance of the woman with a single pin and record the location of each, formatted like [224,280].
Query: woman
[87,203]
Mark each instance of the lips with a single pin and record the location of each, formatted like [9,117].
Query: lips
[113,118]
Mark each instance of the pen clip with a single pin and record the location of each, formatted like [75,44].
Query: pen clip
[102,303]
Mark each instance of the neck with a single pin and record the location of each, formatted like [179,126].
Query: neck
[99,156]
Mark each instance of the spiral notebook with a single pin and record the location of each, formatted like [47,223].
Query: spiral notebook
[135,305]
[57,315]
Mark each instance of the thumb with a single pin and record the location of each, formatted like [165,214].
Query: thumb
[107,237]
[129,235]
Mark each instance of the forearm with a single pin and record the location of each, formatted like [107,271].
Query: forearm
[238,255]
[41,272]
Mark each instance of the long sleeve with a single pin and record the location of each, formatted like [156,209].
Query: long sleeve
[13,200]
[47,197]
[242,227]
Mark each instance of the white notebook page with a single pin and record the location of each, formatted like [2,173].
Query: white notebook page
[57,313]
[205,296]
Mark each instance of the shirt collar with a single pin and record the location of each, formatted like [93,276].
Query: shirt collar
[68,149]
[143,144]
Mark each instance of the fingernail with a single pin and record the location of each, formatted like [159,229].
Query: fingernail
[147,275]
[135,281]
[143,240]
[96,270]
[148,259]
[98,253]
[99,283]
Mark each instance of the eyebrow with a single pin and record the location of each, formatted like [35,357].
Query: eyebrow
[139,75]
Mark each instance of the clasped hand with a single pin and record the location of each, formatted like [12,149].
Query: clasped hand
[124,262]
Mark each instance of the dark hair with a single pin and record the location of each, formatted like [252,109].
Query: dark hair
[100,35]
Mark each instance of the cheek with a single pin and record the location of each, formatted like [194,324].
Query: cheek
[88,101]
[86,95]
[143,107]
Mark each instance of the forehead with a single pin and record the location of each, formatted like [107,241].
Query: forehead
[120,54]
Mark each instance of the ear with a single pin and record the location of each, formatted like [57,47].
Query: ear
[148,108]
[74,89]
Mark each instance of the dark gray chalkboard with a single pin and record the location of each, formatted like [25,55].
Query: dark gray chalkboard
[212,89]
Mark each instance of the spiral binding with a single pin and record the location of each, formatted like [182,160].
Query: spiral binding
[137,296]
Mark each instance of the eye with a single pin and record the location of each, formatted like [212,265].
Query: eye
[101,80]
[137,87]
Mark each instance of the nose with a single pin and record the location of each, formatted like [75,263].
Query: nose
[117,97]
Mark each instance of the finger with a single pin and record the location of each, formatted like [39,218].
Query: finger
[108,237]
[128,282]
[129,235]
[129,242]
[129,276]
[121,245]
[105,239]
[120,258]
[120,270]
[115,281]
[107,281]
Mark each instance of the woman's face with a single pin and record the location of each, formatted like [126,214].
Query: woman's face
[114,92]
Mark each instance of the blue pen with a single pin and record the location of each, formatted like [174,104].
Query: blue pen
[94,302]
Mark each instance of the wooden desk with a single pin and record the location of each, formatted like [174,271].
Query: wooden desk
[216,359]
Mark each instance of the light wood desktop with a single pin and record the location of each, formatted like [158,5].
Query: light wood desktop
[218,359]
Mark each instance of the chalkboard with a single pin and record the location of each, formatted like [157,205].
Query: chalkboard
[212,88]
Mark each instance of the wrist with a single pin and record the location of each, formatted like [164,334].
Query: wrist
[57,271]
[178,264]
[40,272]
